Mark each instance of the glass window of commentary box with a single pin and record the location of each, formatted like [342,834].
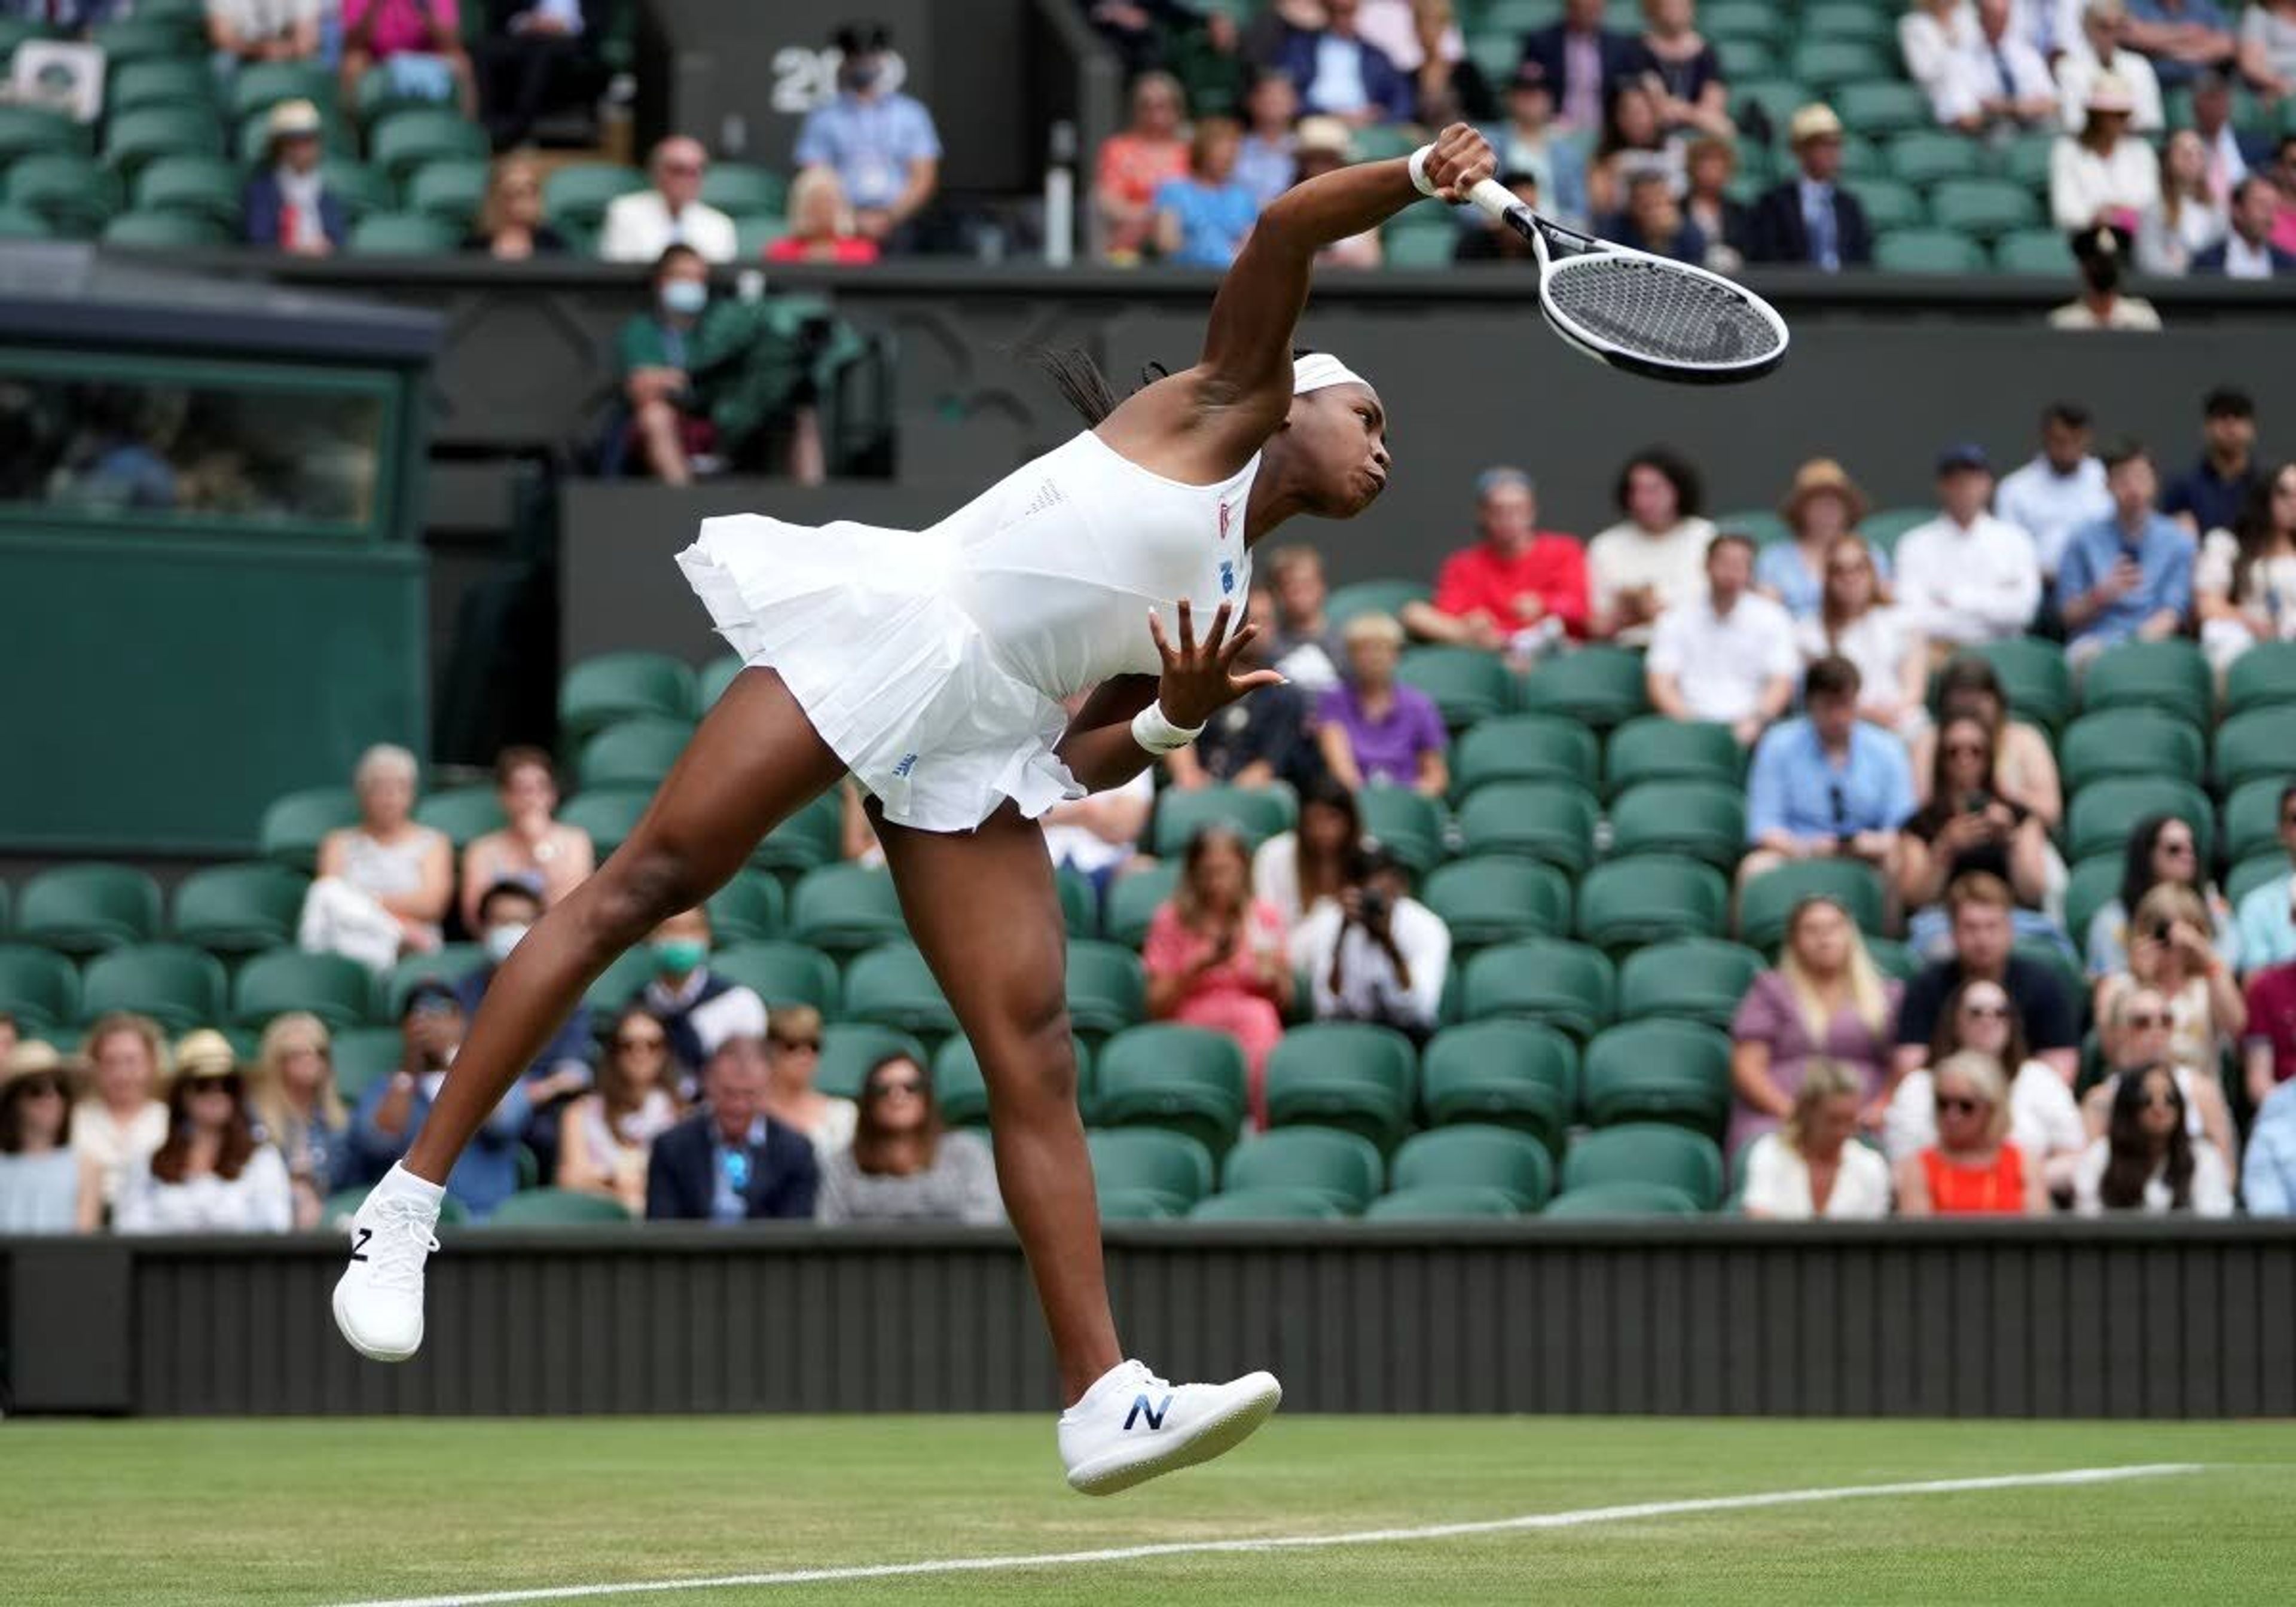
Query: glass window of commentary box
[169,446]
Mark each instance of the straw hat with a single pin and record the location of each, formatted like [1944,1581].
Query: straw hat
[2110,92]
[1328,134]
[205,1053]
[33,1058]
[1823,474]
[291,119]
[1815,122]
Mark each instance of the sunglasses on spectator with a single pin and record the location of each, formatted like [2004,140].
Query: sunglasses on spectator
[2144,1020]
[2176,845]
[38,1087]
[1955,1104]
[316,1050]
[646,1040]
[1963,750]
[894,1085]
[1845,569]
[2159,1102]
[681,170]
[209,1085]
[2289,819]
[813,1044]
[1985,1012]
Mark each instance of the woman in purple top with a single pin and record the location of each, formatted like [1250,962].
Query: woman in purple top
[1372,727]
[1825,1000]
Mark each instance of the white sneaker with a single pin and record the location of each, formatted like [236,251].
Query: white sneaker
[379,1298]
[1131,1425]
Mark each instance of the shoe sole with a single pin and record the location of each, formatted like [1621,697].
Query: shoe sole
[1214,1436]
[343,1327]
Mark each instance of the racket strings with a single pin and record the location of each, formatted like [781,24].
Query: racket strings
[1652,310]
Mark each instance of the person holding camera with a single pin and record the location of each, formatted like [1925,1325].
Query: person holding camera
[1378,954]
[1968,825]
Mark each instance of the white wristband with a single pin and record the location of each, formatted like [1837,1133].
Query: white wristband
[1157,735]
[1418,165]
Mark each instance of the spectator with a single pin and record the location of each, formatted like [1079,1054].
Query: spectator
[2283,174]
[1812,1166]
[2147,1161]
[1724,222]
[2210,494]
[2170,953]
[39,1172]
[1530,145]
[1584,62]
[2128,578]
[2230,154]
[394,1108]
[1996,79]
[1300,871]
[1853,623]
[1141,32]
[213,1172]
[1827,785]
[729,1161]
[2267,1173]
[2137,1029]
[1340,74]
[240,31]
[2188,217]
[668,428]
[1634,143]
[1215,955]
[902,1165]
[1256,742]
[1487,239]
[793,1062]
[118,1122]
[298,1108]
[1300,637]
[531,60]
[383,884]
[701,1008]
[1264,163]
[1729,656]
[11,1034]
[645,224]
[1519,590]
[1655,558]
[1423,39]
[416,44]
[1973,1168]
[1966,576]
[2182,38]
[2024,770]
[2104,176]
[2247,251]
[1932,36]
[507,911]
[1810,218]
[2244,585]
[2267,930]
[1652,222]
[1826,1003]
[1134,164]
[2268,1046]
[1097,836]
[2100,50]
[2267,52]
[533,846]
[1320,145]
[1201,219]
[822,227]
[606,1136]
[1682,71]
[1967,826]
[881,143]
[2044,1121]
[1374,728]
[289,204]
[2059,490]
[2160,850]
[1823,506]
[510,226]
[1377,954]
[2099,255]
[1981,909]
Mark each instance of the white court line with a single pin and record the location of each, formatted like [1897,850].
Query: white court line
[1368,1536]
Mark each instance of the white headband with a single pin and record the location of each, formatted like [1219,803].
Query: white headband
[1319,369]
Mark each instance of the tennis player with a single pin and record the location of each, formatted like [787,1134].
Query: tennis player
[930,664]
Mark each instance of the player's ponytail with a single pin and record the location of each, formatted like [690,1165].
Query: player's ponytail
[1076,376]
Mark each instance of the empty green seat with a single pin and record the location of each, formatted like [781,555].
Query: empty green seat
[1600,686]
[19,223]
[1849,20]
[2252,818]
[634,753]
[1984,208]
[1134,1205]
[1442,1202]
[1877,107]
[753,232]
[453,188]
[165,231]
[1657,749]
[781,972]
[404,235]
[1507,1073]
[2256,744]
[891,986]
[1107,990]
[159,81]
[959,1089]
[1494,899]
[2033,677]
[1566,985]
[178,987]
[1408,823]
[1688,978]
[811,837]
[1172,1167]
[379,93]
[132,138]
[844,908]
[1255,813]
[1742,20]
[715,676]
[448,963]
[1289,1204]
[1476,1155]
[85,908]
[1823,63]
[1745,58]
[239,908]
[1928,252]
[294,825]
[1626,903]
[1346,1074]
[1524,747]
[360,188]
[735,188]
[1133,900]
[1412,241]
[70,191]
[1647,1152]
[579,193]
[28,130]
[363,1056]
[464,814]
[1540,820]
[1760,525]
[2037,251]
[609,814]
[1892,203]
[1771,101]
[404,140]
[1701,820]
[1345,1166]
[2170,675]
[2094,882]
[2127,741]
[256,87]
[559,1208]
[1927,156]
[1372,597]
[2102,815]
[1188,1079]
[620,982]
[1884,528]
[39,987]
[206,186]
[1658,1070]
[1625,1198]
[1467,683]
[2265,674]
[749,908]
[339,991]
[2254,872]
[850,1048]
[1079,901]
[1768,900]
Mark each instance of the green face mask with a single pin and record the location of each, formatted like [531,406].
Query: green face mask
[679,956]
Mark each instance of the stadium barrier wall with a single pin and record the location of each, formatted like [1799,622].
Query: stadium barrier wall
[2146,1318]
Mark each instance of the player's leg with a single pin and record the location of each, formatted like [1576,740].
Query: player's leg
[985,914]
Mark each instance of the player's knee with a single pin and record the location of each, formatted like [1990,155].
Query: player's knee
[643,887]
[1033,1061]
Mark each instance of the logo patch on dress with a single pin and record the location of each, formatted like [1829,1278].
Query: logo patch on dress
[908,763]
[1228,577]
[1224,511]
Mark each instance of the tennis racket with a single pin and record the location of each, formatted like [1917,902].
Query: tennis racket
[1645,315]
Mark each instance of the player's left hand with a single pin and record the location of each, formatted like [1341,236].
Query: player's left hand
[1199,678]
[1461,160]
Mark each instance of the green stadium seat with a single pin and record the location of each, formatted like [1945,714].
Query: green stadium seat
[1269,1205]
[2025,160]
[2254,872]
[1408,823]
[1985,208]
[39,987]
[636,752]
[559,1208]
[1372,597]
[1133,1205]
[1599,1201]
[1600,686]
[1768,900]
[848,1049]
[340,1207]
[891,986]
[753,232]
[82,909]
[2127,741]
[178,986]
[69,191]
[1743,19]
[1514,1074]
[1922,157]
[251,145]
[1493,899]
[339,992]
[2252,818]
[464,814]
[165,231]
[453,188]
[2094,882]
[159,81]
[959,1090]
[620,982]
[1704,820]
[1887,527]
[1255,813]
[1686,978]
[1928,252]
[2170,675]
[1522,747]
[715,676]
[238,908]
[1411,241]
[1540,820]
[449,964]
[1892,203]
[735,188]
[609,814]
[34,130]
[363,1056]
[404,140]
[256,87]
[1346,1074]
[294,825]
[1107,990]
[1626,903]
[1344,1167]
[1894,959]
[16,30]
[846,908]
[1512,16]
[1172,1167]
[1467,683]
[17,223]
[1079,901]
[379,93]
[1646,1152]
[155,30]
[2102,815]
[404,235]
[1744,58]
[580,191]
[1475,1155]
[1186,1079]
[2256,744]
[1132,903]
[813,836]
[360,188]
[1658,1070]
[1863,161]
[1878,108]
[2034,678]
[1775,99]
[1764,529]
[748,909]
[1847,19]
[1565,985]
[204,186]
[1824,64]
[1441,1202]
[781,973]
[1657,749]
[2265,674]
[132,138]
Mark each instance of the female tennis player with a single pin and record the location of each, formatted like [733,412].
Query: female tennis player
[931,665]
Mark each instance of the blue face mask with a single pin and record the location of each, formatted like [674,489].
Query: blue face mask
[684,298]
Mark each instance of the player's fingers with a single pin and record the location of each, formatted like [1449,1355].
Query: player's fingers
[1240,685]
[1187,632]
[1237,642]
[1218,634]
[1156,635]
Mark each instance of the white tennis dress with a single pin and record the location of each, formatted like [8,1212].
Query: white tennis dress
[933,662]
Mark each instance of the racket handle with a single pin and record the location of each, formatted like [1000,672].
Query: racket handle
[1495,197]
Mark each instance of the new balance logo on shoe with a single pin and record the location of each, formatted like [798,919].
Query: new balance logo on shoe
[1141,1408]
[359,1248]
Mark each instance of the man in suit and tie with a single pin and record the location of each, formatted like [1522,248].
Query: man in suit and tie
[729,1161]
[1584,61]
[1810,218]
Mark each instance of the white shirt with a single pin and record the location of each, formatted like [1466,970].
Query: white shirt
[1777,1183]
[263,19]
[2246,261]
[1723,662]
[2127,313]
[2082,183]
[2049,506]
[117,1148]
[1929,46]
[2078,69]
[2168,248]
[2212,1194]
[1626,556]
[1082,849]
[1875,641]
[1975,76]
[2043,1120]
[1368,990]
[259,1201]
[1968,585]
[1389,28]
[1338,86]
[736,1012]
[2271,592]
[639,228]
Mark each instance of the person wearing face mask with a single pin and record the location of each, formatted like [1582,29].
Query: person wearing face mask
[669,434]
[881,143]
[701,1010]
[507,911]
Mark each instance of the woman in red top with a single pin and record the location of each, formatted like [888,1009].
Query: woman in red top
[1215,954]
[1973,1169]
[820,223]
[1133,164]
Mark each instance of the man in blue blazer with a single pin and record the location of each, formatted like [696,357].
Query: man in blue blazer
[1810,218]
[2247,252]
[287,205]
[1338,72]
[729,1161]
[1584,61]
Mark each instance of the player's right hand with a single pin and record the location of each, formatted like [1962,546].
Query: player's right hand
[1461,160]
[1199,678]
